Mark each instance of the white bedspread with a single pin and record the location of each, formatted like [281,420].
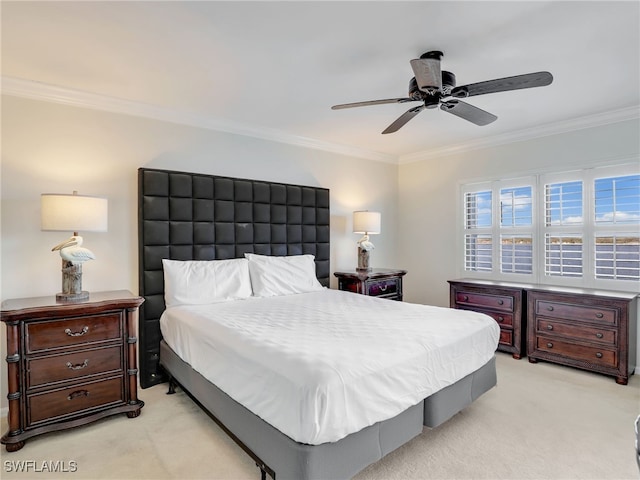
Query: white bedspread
[319,366]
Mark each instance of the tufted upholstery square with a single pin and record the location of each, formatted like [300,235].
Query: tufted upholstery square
[189,216]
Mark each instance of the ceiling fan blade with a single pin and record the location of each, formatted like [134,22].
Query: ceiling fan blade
[372,102]
[528,80]
[468,112]
[427,72]
[403,119]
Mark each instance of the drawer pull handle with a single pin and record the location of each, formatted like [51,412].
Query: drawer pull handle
[500,302]
[599,335]
[383,288]
[79,366]
[465,298]
[76,334]
[549,327]
[599,315]
[78,393]
[501,319]
[550,308]
[549,345]
[598,355]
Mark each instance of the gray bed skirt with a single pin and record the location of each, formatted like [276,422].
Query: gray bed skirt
[339,460]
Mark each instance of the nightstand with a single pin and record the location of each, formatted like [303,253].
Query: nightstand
[378,282]
[69,364]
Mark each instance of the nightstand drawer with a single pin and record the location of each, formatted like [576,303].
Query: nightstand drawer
[608,337]
[590,354]
[75,399]
[378,282]
[496,302]
[72,331]
[382,287]
[55,368]
[577,312]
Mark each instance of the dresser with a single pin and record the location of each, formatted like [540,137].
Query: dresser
[378,282]
[503,302]
[69,364]
[588,329]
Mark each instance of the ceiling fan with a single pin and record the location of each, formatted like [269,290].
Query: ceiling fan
[435,87]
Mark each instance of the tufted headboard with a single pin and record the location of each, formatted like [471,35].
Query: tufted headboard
[189,216]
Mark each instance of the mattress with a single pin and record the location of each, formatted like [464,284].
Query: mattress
[319,366]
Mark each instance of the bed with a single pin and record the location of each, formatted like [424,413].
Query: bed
[193,218]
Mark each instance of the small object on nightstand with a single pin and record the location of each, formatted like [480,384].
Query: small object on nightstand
[377,282]
[367,223]
[69,364]
[71,213]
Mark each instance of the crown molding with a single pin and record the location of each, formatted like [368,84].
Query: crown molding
[599,119]
[18,87]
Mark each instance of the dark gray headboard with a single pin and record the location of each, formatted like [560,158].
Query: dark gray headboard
[189,216]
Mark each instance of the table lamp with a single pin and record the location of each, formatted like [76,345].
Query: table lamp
[367,223]
[73,213]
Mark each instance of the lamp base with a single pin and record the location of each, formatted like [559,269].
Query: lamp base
[72,297]
[72,283]
[363,260]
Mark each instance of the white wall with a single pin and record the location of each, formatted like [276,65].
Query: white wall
[428,196]
[52,148]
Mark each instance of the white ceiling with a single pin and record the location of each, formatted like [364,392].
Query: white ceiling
[273,69]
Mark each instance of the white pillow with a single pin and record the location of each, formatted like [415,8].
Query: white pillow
[197,282]
[271,276]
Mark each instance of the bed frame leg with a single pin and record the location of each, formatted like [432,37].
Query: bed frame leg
[172,386]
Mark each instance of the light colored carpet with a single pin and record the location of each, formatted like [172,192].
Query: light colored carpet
[542,421]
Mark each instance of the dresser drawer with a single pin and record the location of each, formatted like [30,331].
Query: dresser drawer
[503,319]
[495,302]
[72,331]
[378,288]
[506,337]
[577,312]
[580,332]
[74,399]
[56,368]
[590,354]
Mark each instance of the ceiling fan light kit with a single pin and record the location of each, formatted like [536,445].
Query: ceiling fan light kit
[435,88]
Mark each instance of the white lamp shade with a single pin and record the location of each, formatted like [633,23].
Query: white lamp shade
[73,213]
[366,222]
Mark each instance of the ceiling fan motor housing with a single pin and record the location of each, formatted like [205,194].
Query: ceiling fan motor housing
[432,100]
[448,82]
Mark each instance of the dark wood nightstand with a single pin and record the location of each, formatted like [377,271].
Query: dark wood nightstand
[378,282]
[504,302]
[69,364]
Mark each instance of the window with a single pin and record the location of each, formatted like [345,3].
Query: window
[563,221]
[505,245]
[478,245]
[577,228]
[617,227]
[516,220]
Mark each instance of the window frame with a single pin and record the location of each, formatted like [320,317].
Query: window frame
[588,229]
[496,230]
